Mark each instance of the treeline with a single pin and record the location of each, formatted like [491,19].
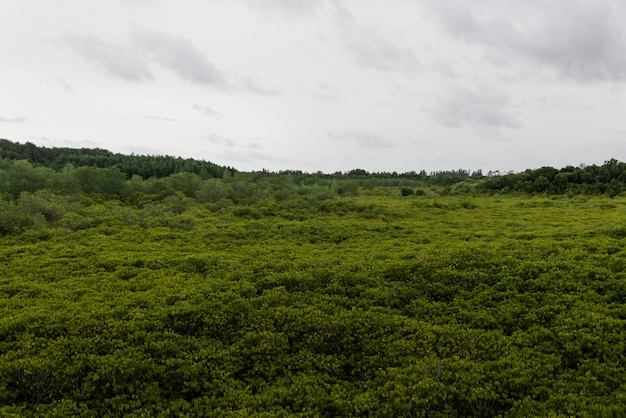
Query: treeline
[147,166]
[140,165]
[609,178]
[20,176]
[70,170]
[441,177]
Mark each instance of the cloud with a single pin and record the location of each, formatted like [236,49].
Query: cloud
[581,39]
[479,106]
[370,50]
[362,139]
[140,2]
[161,118]
[220,140]
[12,120]
[326,92]
[253,86]
[206,111]
[290,8]
[368,47]
[60,83]
[248,157]
[142,150]
[62,142]
[179,55]
[118,60]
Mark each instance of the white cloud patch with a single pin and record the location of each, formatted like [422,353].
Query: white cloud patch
[206,111]
[581,39]
[326,92]
[367,47]
[289,8]
[478,106]
[140,2]
[12,120]
[161,118]
[59,142]
[362,139]
[142,150]
[59,83]
[117,60]
[248,157]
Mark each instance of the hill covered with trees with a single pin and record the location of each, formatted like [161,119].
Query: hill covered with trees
[310,294]
[142,165]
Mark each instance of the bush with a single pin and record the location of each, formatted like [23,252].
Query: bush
[407,191]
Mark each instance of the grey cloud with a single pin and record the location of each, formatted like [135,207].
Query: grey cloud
[581,39]
[478,106]
[206,111]
[117,60]
[220,140]
[179,55]
[373,51]
[362,139]
[12,120]
[369,48]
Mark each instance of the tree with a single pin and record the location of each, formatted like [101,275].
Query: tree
[104,181]
[187,183]
[23,177]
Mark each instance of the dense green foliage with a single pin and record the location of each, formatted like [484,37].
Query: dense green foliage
[140,165]
[262,294]
[146,166]
[609,178]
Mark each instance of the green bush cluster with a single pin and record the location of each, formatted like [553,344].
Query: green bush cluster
[609,178]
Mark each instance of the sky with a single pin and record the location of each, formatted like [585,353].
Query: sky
[321,85]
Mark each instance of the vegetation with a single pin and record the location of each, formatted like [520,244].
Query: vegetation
[295,294]
[163,166]
[141,165]
[609,178]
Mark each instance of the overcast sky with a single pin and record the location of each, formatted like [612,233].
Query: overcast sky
[330,85]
